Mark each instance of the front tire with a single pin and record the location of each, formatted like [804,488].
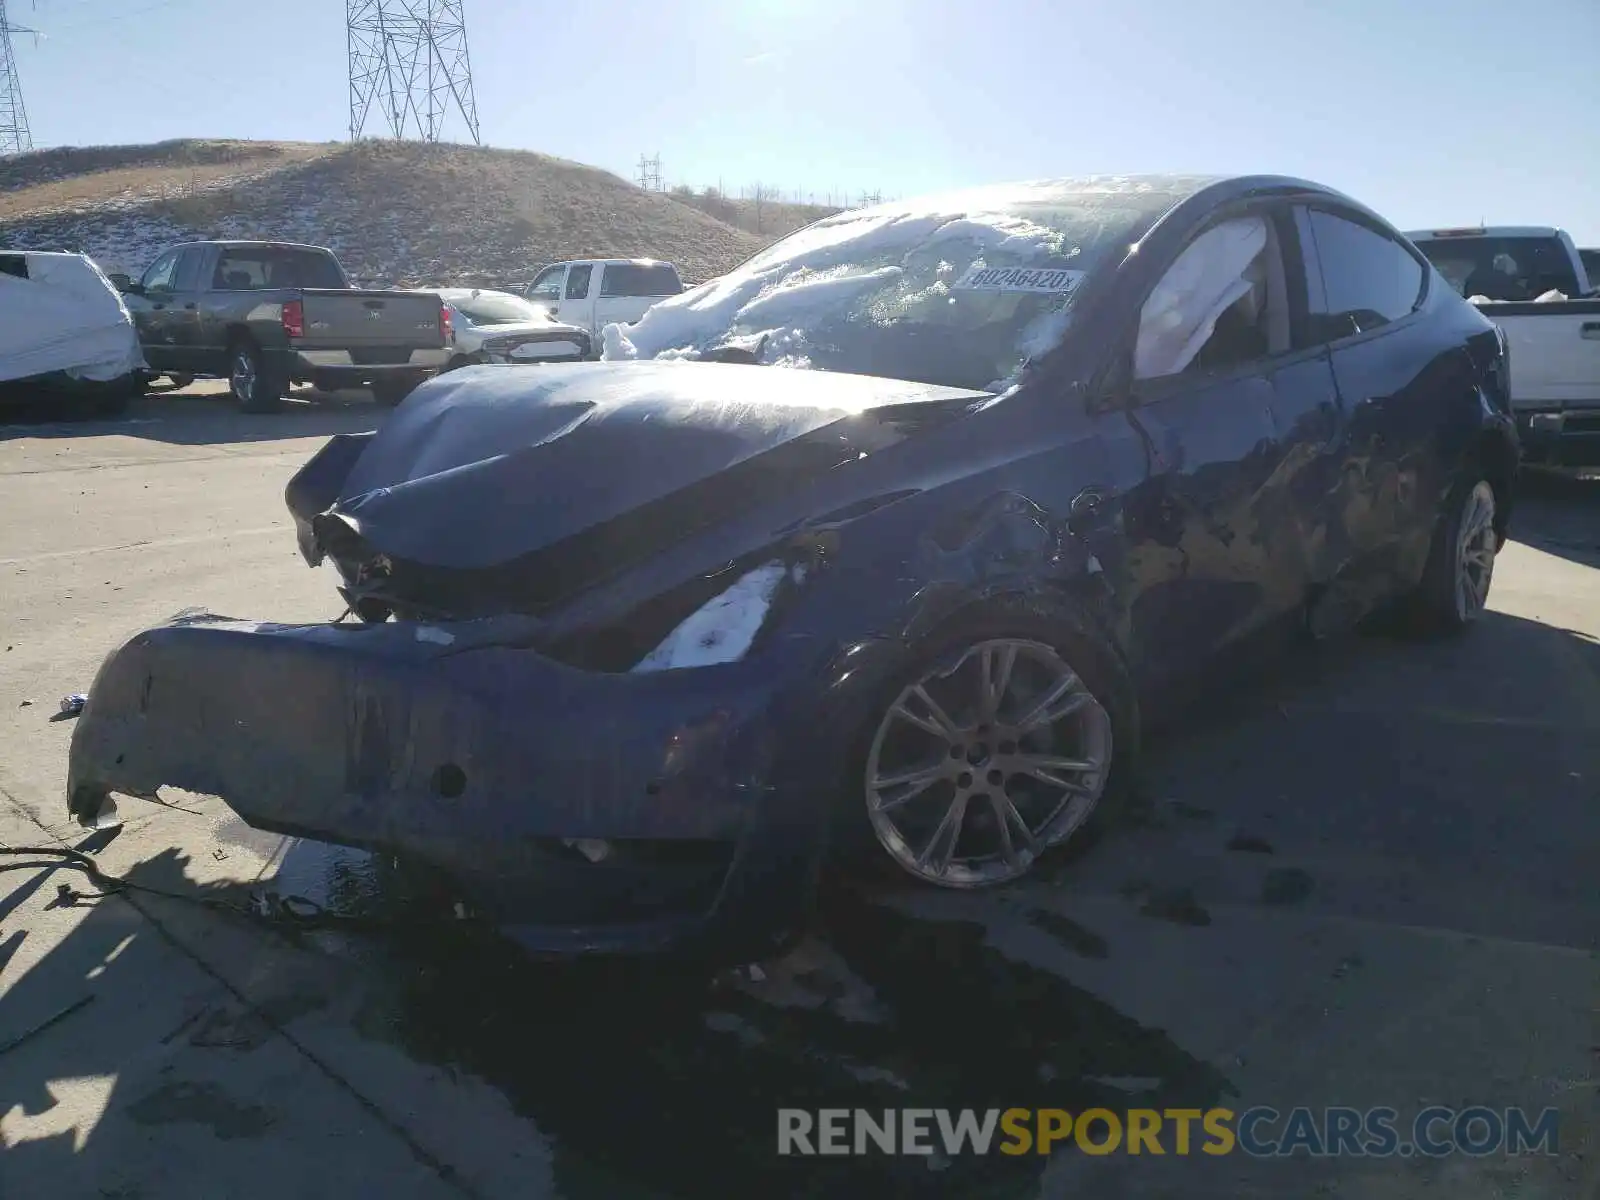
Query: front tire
[1454,591]
[254,388]
[1007,738]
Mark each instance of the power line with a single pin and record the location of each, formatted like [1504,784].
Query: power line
[14,135]
[409,57]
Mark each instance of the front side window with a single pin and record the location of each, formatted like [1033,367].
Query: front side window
[159,277]
[578,282]
[546,284]
[1368,278]
[1219,306]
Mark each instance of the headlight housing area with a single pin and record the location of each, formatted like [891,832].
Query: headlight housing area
[707,622]
[723,629]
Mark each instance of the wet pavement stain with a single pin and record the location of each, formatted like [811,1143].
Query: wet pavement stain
[1175,904]
[1069,933]
[201,1104]
[1245,843]
[1285,885]
[651,1083]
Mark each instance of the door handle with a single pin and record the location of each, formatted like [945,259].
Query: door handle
[189,307]
[1590,330]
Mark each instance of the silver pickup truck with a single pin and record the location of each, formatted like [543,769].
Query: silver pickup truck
[264,315]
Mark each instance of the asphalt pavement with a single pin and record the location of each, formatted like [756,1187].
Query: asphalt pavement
[1362,878]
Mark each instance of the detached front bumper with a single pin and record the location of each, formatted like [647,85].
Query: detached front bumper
[455,747]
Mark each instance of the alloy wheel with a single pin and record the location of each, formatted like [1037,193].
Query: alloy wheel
[986,761]
[243,377]
[1476,545]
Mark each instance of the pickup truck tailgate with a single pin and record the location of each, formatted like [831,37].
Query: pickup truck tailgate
[398,322]
[1555,351]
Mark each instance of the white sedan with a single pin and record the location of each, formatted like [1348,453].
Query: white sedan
[498,327]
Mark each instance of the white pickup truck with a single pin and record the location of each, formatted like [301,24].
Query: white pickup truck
[591,293]
[1533,282]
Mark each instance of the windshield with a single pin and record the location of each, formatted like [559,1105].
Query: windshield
[959,290]
[1502,268]
[496,308]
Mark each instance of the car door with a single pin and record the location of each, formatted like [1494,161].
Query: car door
[183,313]
[1395,378]
[546,288]
[578,303]
[151,310]
[1236,421]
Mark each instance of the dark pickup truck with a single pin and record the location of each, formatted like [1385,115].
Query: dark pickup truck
[264,315]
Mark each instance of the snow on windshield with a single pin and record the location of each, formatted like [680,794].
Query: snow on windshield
[960,290]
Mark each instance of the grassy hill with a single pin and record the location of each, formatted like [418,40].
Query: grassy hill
[398,213]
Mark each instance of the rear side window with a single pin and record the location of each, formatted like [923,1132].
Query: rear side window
[1368,278]
[640,279]
[578,282]
[14,264]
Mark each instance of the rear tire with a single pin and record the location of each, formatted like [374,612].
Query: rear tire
[254,388]
[1455,583]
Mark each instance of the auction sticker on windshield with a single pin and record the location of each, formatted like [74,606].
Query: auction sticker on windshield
[979,278]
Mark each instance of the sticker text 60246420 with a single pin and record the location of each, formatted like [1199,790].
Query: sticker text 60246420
[1017,279]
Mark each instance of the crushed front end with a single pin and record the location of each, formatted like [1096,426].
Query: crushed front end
[578,810]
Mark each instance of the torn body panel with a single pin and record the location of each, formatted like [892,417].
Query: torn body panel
[468,753]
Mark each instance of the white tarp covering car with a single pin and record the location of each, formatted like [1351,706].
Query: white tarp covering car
[60,315]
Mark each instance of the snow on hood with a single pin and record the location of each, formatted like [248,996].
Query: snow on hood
[960,290]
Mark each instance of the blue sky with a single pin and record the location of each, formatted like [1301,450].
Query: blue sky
[1434,112]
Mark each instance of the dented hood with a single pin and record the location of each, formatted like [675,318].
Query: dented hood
[490,463]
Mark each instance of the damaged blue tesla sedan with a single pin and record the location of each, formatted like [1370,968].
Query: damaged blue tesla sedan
[643,643]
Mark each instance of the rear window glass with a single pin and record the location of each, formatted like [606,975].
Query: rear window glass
[255,269]
[14,264]
[1501,268]
[637,279]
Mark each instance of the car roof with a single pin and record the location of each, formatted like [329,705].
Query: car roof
[236,243]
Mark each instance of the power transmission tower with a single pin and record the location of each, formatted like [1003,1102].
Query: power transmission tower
[409,58]
[650,173]
[14,135]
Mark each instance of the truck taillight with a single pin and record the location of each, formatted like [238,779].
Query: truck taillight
[446,331]
[294,319]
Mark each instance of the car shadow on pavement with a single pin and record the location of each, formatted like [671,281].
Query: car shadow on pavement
[1380,786]
[186,419]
